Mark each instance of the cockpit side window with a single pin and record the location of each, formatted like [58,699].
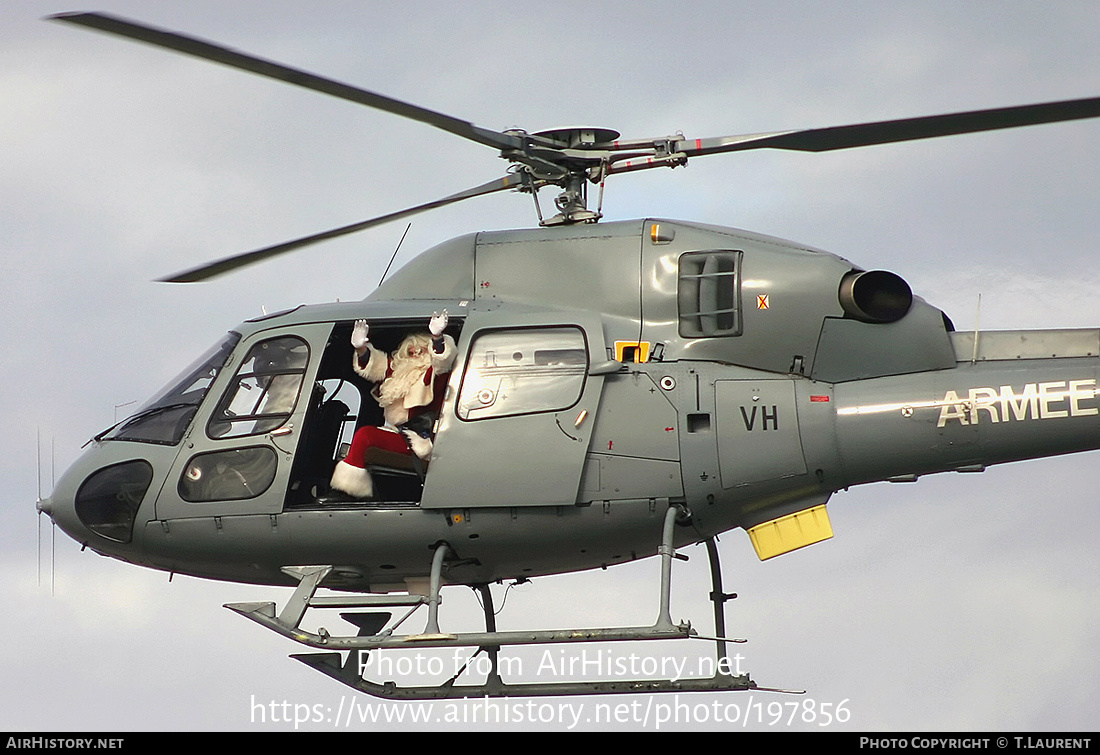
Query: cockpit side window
[523,371]
[264,391]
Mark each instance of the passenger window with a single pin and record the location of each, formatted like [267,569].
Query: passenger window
[264,391]
[231,475]
[512,372]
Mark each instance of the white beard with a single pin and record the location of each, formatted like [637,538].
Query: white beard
[407,382]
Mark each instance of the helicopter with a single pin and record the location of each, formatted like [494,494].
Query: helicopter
[685,408]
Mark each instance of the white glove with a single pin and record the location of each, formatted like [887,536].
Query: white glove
[422,447]
[438,324]
[359,337]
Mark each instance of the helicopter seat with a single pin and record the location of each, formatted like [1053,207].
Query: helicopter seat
[379,465]
[383,457]
[313,467]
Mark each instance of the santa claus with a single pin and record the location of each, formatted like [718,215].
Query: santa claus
[409,386]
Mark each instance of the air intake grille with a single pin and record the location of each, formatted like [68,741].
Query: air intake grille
[709,294]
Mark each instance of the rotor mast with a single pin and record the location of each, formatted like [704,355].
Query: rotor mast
[575,156]
[569,158]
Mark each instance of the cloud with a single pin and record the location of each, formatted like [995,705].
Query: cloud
[961,602]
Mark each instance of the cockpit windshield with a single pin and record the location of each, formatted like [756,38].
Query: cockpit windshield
[166,417]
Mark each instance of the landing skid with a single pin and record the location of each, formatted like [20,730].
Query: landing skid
[371,637]
[330,664]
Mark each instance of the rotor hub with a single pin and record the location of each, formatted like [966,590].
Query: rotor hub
[580,137]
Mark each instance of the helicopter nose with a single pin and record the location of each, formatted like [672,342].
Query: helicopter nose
[44,506]
[97,504]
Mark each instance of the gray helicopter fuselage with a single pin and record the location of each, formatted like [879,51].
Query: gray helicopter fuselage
[604,373]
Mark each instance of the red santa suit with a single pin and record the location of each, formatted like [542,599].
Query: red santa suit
[409,382]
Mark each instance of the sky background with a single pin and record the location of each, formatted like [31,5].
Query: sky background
[962,602]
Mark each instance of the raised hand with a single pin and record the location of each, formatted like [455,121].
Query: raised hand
[438,323]
[359,336]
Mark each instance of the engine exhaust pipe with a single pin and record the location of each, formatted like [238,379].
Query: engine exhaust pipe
[877,296]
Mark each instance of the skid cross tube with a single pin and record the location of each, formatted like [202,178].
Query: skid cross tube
[718,598]
[433,589]
[349,669]
[287,622]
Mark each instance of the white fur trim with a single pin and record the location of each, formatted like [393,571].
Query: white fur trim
[442,363]
[352,480]
[377,364]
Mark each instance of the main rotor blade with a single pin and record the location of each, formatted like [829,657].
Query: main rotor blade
[226,56]
[228,264]
[905,129]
